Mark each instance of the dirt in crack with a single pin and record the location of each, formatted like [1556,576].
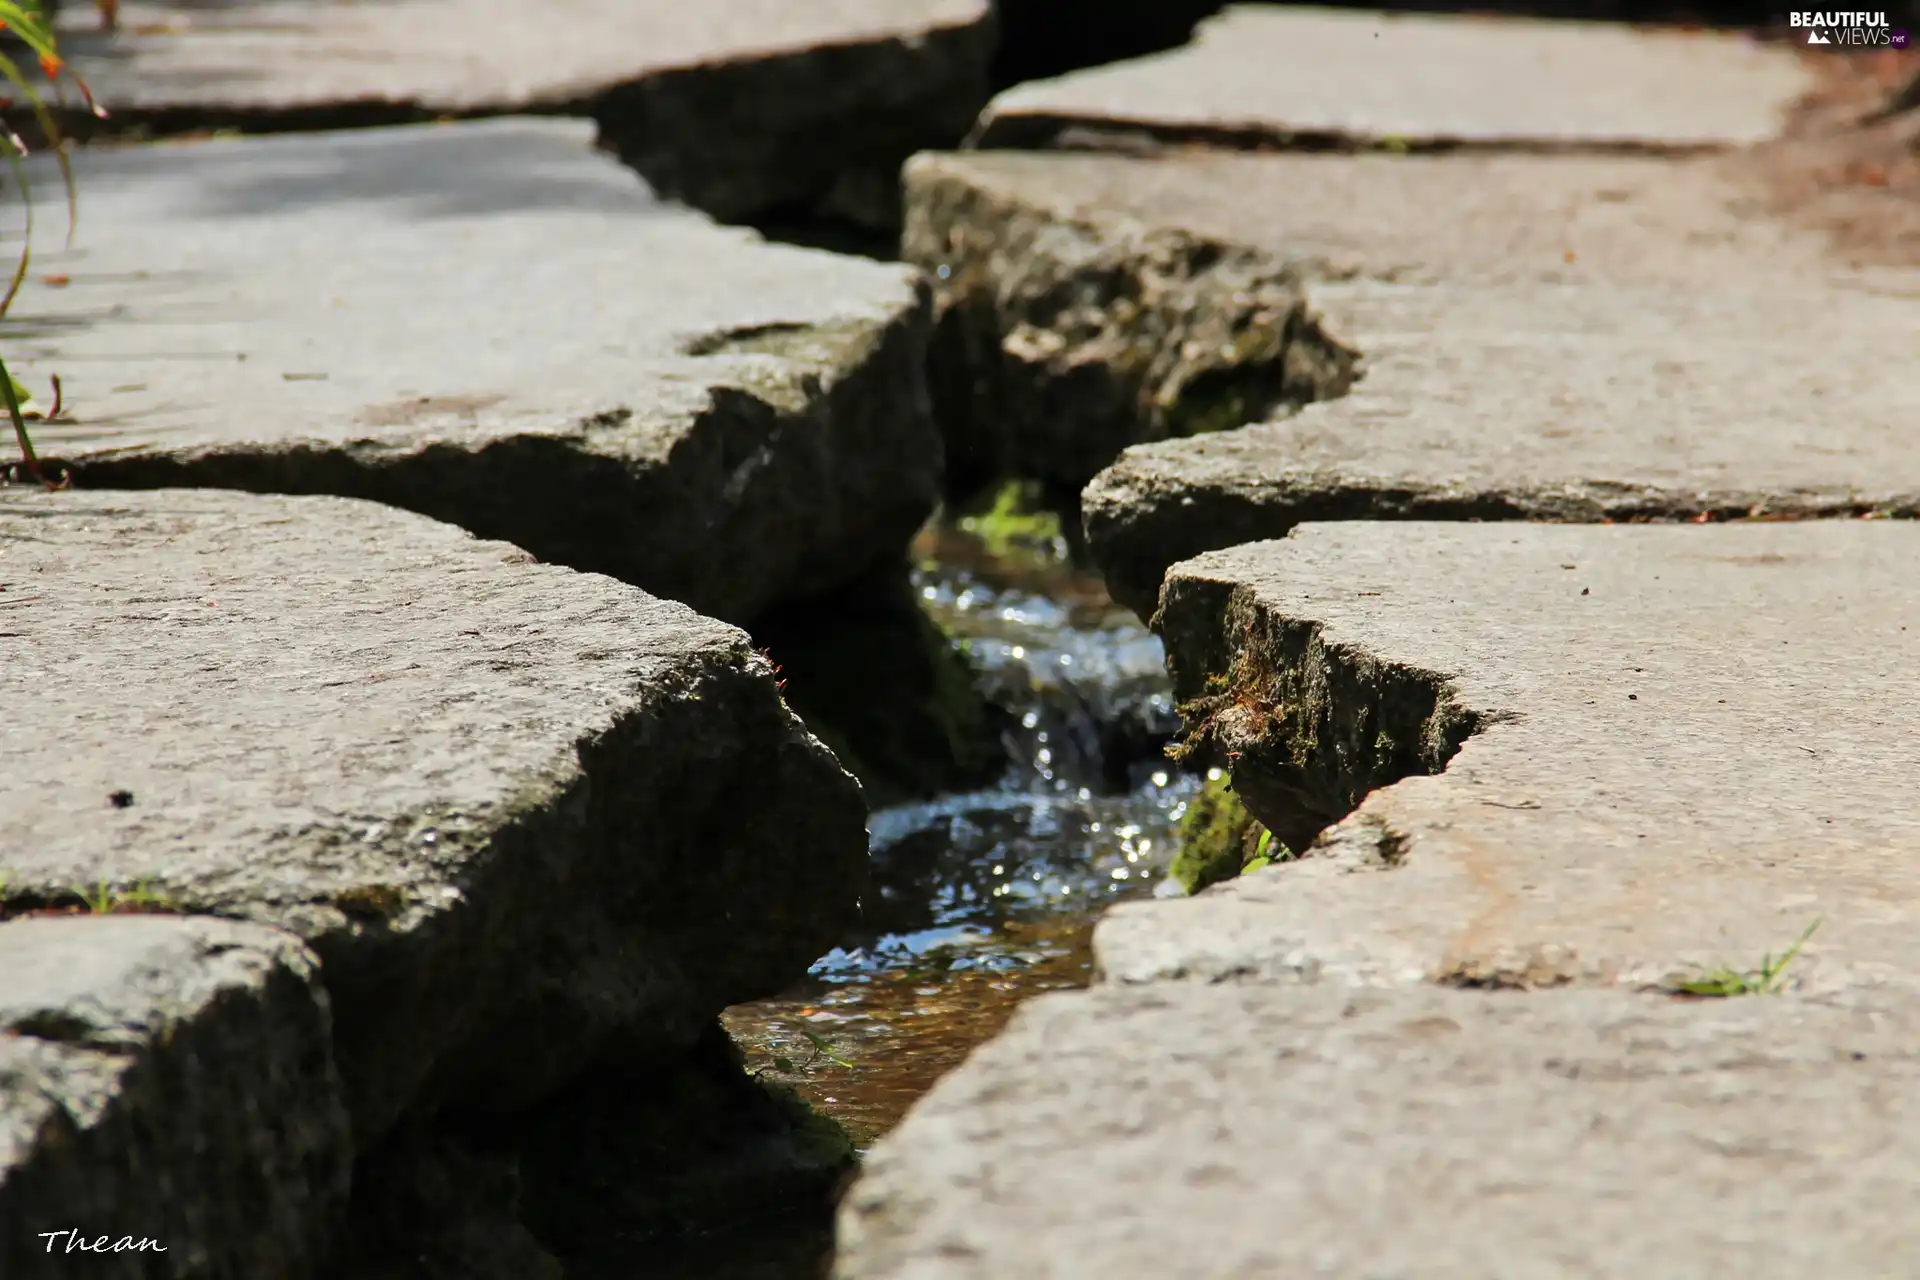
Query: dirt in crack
[984,899]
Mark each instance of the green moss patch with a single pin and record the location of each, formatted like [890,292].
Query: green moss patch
[1220,839]
[1014,520]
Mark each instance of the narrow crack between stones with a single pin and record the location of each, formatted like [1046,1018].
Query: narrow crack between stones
[1041,131]
[1057,344]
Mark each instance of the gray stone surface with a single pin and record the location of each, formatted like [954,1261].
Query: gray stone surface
[1682,746]
[493,325]
[168,1080]
[520,813]
[1552,336]
[739,106]
[1275,75]
[1412,219]
[1676,746]
[1276,1131]
[1547,403]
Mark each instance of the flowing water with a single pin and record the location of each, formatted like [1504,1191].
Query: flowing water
[979,900]
[983,899]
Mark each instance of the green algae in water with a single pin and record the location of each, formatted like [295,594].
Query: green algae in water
[1015,521]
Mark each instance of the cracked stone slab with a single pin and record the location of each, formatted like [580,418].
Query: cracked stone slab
[742,107]
[168,1080]
[1087,304]
[1548,404]
[1554,337]
[519,812]
[493,325]
[1281,75]
[1263,1130]
[1482,217]
[1548,754]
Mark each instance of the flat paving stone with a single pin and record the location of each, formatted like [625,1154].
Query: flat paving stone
[170,1081]
[1588,763]
[1280,75]
[1262,1130]
[517,811]
[1463,217]
[1677,747]
[494,325]
[739,106]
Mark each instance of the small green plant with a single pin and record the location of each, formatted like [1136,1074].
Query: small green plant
[105,899]
[1017,521]
[1261,855]
[1713,984]
[822,1048]
[28,24]
[1219,839]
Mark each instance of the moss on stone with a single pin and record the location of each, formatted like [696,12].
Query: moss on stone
[1244,384]
[1219,838]
[371,901]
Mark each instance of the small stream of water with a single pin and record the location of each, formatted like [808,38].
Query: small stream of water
[980,900]
[983,899]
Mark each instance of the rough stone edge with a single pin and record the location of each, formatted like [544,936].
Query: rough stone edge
[1307,727]
[236,1162]
[1058,340]
[575,499]
[849,116]
[1042,130]
[1138,525]
[716,769]
[850,113]
[665,905]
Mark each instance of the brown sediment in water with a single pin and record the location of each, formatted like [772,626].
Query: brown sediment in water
[899,1031]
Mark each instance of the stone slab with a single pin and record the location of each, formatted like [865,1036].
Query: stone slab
[1553,404]
[165,1080]
[1555,336]
[739,106]
[1549,754]
[494,325]
[1281,75]
[1470,216]
[518,812]
[1271,1131]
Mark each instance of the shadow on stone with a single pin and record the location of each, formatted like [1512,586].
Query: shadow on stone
[895,697]
[1040,38]
[1308,727]
[642,1159]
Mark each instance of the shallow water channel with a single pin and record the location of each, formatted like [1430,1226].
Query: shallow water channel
[980,900]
